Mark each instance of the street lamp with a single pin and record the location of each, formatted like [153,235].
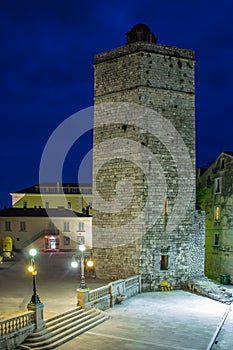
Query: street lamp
[32,268]
[74,264]
[82,249]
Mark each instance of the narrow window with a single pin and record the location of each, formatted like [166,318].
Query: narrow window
[216,239]
[69,205]
[149,165]
[46,204]
[217,213]
[223,164]
[7,226]
[81,226]
[66,227]
[166,206]
[163,262]
[22,226]
[218,185]
[25,204]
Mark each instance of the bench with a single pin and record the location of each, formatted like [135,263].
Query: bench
[165,286]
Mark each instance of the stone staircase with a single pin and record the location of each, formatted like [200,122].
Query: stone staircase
[62,328]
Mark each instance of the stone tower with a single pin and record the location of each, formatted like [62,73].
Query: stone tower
[144,212]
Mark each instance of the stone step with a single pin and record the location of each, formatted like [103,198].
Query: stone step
[59,327]
[60,335]
[61,321]
[67,313]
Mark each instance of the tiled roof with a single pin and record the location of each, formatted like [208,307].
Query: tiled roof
[40,212]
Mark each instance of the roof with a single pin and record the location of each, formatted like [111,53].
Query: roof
[56,185]
[40,212]
[228,153]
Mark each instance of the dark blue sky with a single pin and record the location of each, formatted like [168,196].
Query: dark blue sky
[46,62]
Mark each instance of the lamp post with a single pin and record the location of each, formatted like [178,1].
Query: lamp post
[35,304]
[32,268]
[83,285]
[89,264]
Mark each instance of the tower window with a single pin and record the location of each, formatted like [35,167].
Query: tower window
[216,239]
[218,185]
[163,262]
[217,213]
[166,206]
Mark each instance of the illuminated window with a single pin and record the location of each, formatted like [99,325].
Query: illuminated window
[217,185]
[163,262]
[66,226]
[7,226]
[217,213]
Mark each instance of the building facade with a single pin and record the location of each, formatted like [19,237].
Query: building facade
[54,195]
[215,196]
[145,107]
[48,230]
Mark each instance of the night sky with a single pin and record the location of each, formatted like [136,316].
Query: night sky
[47,55]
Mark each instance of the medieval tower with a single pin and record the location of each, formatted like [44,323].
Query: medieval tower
[144,208]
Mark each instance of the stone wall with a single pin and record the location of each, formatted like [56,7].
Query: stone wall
[218,242]
[144,165]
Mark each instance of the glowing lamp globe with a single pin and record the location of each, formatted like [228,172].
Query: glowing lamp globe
[32,252]
[74,264]
[82,248]
[90,263]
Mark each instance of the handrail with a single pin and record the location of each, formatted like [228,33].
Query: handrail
[45,232]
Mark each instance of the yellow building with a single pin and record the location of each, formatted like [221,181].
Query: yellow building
[53,229]
[73,196]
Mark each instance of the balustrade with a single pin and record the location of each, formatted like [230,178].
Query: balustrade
[16,323]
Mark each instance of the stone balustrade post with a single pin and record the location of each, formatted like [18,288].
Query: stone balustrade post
[82,297]
[38,308]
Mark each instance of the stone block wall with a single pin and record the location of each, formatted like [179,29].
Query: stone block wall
[144,165]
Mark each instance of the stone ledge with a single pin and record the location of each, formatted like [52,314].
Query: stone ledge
[204,286]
